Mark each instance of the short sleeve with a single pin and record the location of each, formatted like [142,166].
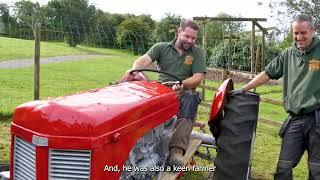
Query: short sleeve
[275,68]
[199,61]
[154,52]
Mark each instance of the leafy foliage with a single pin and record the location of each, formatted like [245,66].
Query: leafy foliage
[285,10]
[69,15]
[77,21]
[5,17]
[166,29]
[135,31]
[241,53]
[287,41]
[27,12]
[4,12]
[108,19]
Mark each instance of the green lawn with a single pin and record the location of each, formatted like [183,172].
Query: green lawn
[12,48]
[59,79]
[16,87]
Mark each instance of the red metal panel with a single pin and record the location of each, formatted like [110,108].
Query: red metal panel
[219,98]
[42,162]
[92,114]
[11,156]
[108,121]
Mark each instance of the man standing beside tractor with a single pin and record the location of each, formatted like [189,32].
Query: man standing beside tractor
[299,66]
[183,59]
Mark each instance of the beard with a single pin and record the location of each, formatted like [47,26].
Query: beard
[184,45]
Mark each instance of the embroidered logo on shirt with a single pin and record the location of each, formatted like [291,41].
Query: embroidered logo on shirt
[188,60]
[314,64]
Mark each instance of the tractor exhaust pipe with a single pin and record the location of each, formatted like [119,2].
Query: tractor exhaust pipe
[206,138]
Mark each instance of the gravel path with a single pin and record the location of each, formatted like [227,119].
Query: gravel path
[11,64]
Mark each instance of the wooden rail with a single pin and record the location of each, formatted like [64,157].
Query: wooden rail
[207,87]
[270,122]
[271,101]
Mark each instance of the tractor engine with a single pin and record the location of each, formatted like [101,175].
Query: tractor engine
[149,154]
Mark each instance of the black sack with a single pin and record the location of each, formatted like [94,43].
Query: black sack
[236,137]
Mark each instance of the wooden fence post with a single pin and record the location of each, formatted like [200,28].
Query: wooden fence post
[224,74]
[258,60]
[229,51]
[253,41]
[263,51]
[204,47]
[37,34]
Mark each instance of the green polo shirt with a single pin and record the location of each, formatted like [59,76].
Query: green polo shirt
[190,62]
[301,77]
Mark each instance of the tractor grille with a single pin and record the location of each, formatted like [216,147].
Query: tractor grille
[24,160]
[65,164]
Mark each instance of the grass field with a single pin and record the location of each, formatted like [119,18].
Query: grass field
[16,87]
[12,48]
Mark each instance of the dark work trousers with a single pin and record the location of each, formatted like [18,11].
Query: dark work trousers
[302,133]
[188,105]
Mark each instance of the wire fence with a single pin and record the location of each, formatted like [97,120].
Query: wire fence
[110,51]
[221,44]
[77,32]
[98,52]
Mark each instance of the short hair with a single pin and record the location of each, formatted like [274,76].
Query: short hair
[188,23]
[304,18]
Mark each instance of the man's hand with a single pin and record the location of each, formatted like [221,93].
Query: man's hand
[237,92]
[126,77]
[178,89]
[135,76]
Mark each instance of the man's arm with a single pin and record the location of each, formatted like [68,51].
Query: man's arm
[193,81]
[257,81]
[142,62]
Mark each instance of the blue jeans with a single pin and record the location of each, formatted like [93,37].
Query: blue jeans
[302,133]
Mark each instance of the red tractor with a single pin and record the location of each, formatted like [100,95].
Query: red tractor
[117,132]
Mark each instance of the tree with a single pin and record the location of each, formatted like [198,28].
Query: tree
[4,16]
[27,12]
[241,53]
[75,17]
[285,10]
[109,19]
[287,41]
[166,29]
[4,13]
[135,33]
[231,26]
[107,23]
[217,35]
[148,20]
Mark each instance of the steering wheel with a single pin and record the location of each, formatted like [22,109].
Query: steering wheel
[160,72]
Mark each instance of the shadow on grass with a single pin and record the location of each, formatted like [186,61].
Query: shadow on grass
[6,116]
[4,167]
